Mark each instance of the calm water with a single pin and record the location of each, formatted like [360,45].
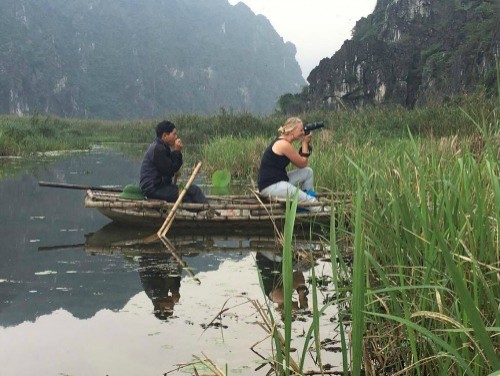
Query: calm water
[77,293]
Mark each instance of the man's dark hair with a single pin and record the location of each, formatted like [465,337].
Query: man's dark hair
[164,127]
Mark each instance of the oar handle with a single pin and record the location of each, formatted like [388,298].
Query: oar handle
[170,218]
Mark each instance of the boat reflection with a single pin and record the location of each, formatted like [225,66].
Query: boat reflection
[113,238]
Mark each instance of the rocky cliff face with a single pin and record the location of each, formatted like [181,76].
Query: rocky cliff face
[411,52]
[117,59]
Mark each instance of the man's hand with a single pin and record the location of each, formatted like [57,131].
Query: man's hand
[178,144]
[176,177]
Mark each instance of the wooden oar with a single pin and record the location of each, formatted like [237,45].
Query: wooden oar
[78,186]
[170,218]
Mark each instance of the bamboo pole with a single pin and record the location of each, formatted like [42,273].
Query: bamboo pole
[170,218]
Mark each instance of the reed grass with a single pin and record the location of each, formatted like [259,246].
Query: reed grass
[238,155]
[430,222]
[287,272]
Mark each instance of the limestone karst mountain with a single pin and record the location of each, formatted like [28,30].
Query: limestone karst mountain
[410,53]
[118,59]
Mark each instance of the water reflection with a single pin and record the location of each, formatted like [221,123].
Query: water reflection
[161,280]
[270,265]
[161,264]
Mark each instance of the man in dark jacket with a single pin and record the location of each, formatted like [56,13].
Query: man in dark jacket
[162,161]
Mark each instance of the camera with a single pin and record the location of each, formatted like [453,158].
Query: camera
[313,126]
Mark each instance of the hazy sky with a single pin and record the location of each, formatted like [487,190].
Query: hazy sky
[316,27]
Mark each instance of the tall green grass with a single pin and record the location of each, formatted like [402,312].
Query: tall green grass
[238,155]
[287,272]
[437,242]
[430,225]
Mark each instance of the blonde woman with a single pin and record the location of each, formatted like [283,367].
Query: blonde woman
[274,180]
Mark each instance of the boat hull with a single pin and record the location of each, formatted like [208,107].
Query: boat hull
[243,211]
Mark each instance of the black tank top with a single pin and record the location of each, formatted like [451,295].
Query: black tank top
[272,168]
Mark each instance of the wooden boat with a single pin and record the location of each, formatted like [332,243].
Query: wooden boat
[249,210]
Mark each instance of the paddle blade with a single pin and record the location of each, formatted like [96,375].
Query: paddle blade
[151,239]
[221,178]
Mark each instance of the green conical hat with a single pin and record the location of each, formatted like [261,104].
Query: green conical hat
[132,192]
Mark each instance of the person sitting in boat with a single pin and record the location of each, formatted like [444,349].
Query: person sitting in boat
[274,180]
[161,163]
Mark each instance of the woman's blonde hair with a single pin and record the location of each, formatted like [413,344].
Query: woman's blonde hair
[289,126]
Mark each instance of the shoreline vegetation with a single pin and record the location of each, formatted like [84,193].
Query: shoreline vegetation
[422,292]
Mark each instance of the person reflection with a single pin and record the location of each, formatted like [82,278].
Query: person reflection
[270,266]
[160,275]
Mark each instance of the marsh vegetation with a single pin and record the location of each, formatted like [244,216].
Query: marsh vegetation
[419,285]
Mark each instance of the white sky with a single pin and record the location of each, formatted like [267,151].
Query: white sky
[318,28]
